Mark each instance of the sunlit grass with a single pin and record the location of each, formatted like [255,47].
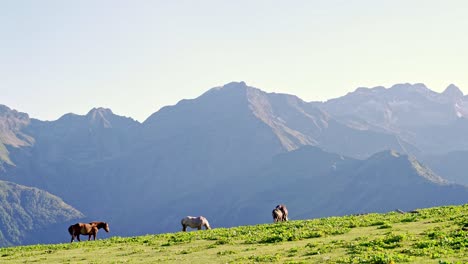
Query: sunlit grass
[432,235]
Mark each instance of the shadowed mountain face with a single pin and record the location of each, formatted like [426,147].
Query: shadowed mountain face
[314,183]
[386,181]
[234,152]
[453,165]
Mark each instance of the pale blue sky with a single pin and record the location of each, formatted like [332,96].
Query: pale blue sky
[137,56]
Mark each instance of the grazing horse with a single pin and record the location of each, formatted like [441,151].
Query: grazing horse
[90,229]
[194,222]
[284,210]
[277,215]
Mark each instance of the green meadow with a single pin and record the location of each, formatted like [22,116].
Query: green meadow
[433,235]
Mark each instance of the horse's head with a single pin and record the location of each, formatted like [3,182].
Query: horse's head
[205,222]
[106,227]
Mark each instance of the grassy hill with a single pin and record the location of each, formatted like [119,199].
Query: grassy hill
[434,235]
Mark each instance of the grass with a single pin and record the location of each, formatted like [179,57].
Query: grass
[434,235]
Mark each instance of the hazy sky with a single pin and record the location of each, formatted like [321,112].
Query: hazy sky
[136,56]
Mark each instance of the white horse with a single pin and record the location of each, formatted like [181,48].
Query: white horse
[194,222]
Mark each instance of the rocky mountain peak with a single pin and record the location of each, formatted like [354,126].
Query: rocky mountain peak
[101,111]
[453,91]
[408,88]
[240,84]
[231,87]
[4,109]
[365,90]
[100,116]
[11,124]
[6,112]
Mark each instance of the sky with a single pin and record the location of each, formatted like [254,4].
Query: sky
[137,56]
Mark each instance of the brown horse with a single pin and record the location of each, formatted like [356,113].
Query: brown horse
[194,222]
[277,215]
[284,210]
[90,229]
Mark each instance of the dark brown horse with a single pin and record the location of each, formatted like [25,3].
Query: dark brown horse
[90,229]
[284,210]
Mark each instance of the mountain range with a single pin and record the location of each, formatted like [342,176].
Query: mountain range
[235,152]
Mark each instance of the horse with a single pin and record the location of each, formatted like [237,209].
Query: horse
[277,215]
[284,210]
[90,229]
[194,222]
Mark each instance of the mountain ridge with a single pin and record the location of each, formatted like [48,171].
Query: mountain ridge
[240,150]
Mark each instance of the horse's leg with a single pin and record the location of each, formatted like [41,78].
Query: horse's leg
[89,237]
[199,227]
[78,237]
[184,228]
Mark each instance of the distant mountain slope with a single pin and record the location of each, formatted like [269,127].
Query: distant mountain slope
[314,183]
[442,139]
[400,107]
[218,129]
[290,120]
[98,135]
[24,209]
[408,111]
[453,165]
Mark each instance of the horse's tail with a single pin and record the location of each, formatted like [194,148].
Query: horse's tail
[70,230]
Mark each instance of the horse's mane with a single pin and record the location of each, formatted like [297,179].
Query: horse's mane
[99,224]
